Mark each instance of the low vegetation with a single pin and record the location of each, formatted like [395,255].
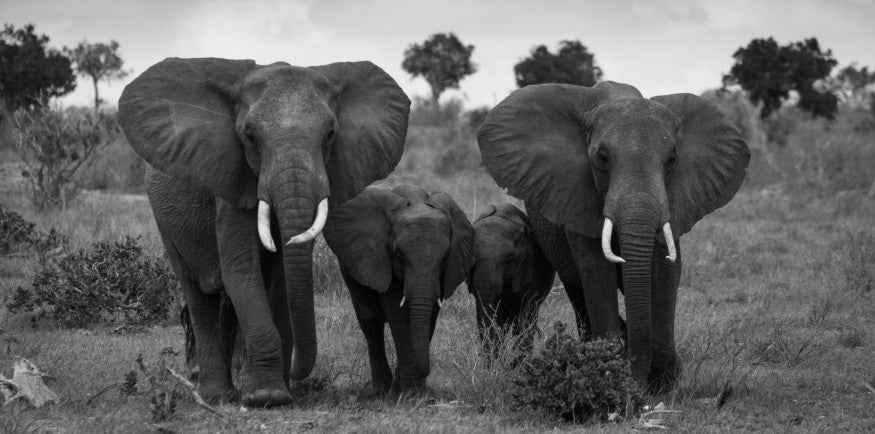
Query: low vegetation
[109,282]
[577,381]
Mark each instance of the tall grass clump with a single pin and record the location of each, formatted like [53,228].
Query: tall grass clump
[859,268]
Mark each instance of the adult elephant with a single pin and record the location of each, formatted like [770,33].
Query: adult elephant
[601,168]
[246,154]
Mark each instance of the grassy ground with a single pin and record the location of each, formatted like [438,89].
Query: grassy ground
[776,307]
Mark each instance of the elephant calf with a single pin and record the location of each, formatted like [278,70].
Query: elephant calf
[401,253]
[510,279]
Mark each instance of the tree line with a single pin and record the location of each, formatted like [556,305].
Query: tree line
[766,71]
[31,72]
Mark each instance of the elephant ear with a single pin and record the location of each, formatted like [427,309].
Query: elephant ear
[616,90]
[358,233]
[179,116]
[535,144]
[532,259]
[712,158]
[461,256]
[371,111]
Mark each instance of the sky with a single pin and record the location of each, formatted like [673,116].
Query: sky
[659,46]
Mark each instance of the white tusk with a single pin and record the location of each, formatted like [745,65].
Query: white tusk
[606,243]
[441,303]
[318,224]
[669,241]
[403,299]
[264,226]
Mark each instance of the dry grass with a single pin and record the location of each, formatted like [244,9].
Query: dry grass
[774,324]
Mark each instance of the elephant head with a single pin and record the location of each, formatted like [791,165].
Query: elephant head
[288,139]
[508,263]
[603,160]
[423,241]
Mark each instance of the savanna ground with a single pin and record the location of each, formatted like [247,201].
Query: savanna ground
[776,309]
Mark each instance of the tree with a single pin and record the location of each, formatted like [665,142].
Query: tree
[99,62]
[854,85]
[572,64]
[442,60]
[30,72]
[768,72]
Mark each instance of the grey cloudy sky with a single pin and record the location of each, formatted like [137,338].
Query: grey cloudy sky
[659,46]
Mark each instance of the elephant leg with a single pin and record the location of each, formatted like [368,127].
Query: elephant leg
[240,256]
[213,342]
[554,243]
[578,304]
[665,366]
[279,302]
[599,278]
[366,304]
[527,322]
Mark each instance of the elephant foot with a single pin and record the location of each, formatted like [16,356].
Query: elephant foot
[663,378]
[264,390]
[417,394]
[218,394]
[410,388]
[267,398]
[381,387]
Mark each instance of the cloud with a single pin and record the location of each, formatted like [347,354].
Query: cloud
[266,31]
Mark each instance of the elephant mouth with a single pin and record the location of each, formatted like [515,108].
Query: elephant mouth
[608,229]
[303,237]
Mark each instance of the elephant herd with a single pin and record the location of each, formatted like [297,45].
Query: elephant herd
[243,155]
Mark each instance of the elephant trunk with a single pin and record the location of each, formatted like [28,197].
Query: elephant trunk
[488,287]
[639,208]
[295,212]
[421,287]
[421,311]
[297,186]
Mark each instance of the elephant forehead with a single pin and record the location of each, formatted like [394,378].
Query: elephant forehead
[495,228]
[288,76]
[420,218]
[634,114]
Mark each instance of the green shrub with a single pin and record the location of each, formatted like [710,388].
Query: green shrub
[106,283]
[577,380]
[18,235]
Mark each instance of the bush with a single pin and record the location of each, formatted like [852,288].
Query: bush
[106,283]
[18,235]
[116,168]
[55,144]
[577,380]
[475,117]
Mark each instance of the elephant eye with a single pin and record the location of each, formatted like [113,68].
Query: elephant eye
[602,156]
[672,161]
[329,136]
[249,132]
